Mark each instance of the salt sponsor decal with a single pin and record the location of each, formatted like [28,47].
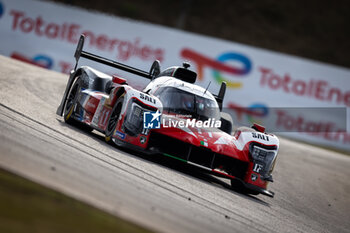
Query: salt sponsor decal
[260,136]
[147,98]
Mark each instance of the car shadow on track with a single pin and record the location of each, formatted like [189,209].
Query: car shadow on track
[190,171]
[169,163]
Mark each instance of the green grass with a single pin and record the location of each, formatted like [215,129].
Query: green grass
[29,207]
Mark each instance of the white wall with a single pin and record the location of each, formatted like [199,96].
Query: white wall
[46,33]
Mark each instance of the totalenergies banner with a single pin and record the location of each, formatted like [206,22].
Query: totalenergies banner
[296,97]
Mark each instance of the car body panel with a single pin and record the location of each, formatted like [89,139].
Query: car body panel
[247,155]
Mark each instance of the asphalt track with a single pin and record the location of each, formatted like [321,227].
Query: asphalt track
[311,184]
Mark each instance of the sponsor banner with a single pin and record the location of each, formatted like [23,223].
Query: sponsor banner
[33,32]
[321,126]
[285,120]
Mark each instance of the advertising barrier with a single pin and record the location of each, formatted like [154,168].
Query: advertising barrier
[299,98]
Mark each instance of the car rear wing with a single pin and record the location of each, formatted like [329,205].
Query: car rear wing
[79,52]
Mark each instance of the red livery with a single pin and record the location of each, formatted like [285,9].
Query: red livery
[172,116]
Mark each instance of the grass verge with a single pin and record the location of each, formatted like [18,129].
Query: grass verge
[29,207]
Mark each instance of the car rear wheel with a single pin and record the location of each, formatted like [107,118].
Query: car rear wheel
[69,108]
[71,101]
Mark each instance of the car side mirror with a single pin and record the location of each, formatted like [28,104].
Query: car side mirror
[155,69]
[226,122]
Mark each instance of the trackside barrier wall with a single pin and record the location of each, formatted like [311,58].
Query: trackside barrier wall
[275,89]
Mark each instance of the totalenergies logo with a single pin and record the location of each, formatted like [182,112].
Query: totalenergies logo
[220,65]
[254,113]
[38,60]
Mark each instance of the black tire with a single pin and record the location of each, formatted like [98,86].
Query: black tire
[113,120]
[71,101]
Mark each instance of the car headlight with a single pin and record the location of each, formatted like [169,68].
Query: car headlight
[264,158]
[136,115]
[261,154]
[137,111]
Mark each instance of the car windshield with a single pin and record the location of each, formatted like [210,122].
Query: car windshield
[182,102]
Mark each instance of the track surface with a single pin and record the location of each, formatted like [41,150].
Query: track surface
[311,184]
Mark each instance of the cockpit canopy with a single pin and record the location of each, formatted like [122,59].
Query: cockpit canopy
[182,102]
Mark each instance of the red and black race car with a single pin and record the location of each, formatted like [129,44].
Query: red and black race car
[172,116]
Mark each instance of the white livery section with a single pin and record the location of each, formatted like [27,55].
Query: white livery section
[263,138]
[131,94]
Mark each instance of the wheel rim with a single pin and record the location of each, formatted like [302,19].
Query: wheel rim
[71,98]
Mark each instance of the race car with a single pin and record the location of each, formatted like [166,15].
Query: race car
[173,117]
